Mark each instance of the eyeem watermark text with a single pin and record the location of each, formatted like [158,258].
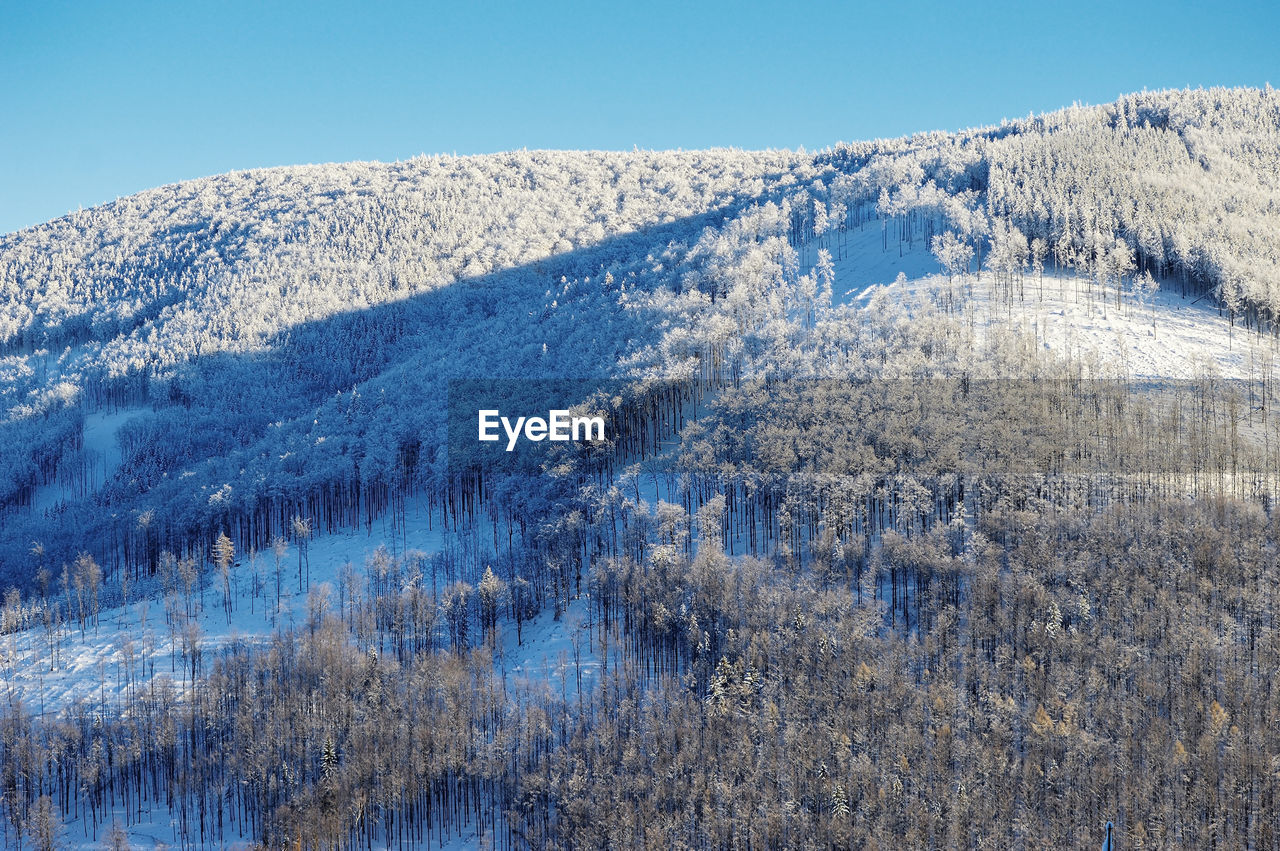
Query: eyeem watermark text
[558,425]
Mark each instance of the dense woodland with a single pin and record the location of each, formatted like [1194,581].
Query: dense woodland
[856,576]
[1025,670]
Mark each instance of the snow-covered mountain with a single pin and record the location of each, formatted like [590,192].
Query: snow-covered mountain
[256,338]
[245,577]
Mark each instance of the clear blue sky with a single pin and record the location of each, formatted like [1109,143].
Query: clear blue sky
[101,99]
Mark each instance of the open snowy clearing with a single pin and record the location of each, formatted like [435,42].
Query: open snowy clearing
[84,472]
[1162,336]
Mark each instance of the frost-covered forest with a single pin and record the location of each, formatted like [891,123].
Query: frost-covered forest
[877,554]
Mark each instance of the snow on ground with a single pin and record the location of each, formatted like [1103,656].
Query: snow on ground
[134,642]
[81,473]
[157,826]
[95,665]
[556,656]
[560,655]
[1163,336]
[864,259]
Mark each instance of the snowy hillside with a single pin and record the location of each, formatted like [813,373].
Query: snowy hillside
[939,460]
[291,330]
[1167,332]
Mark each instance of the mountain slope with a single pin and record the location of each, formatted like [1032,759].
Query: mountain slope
[287,331]
[904,535]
